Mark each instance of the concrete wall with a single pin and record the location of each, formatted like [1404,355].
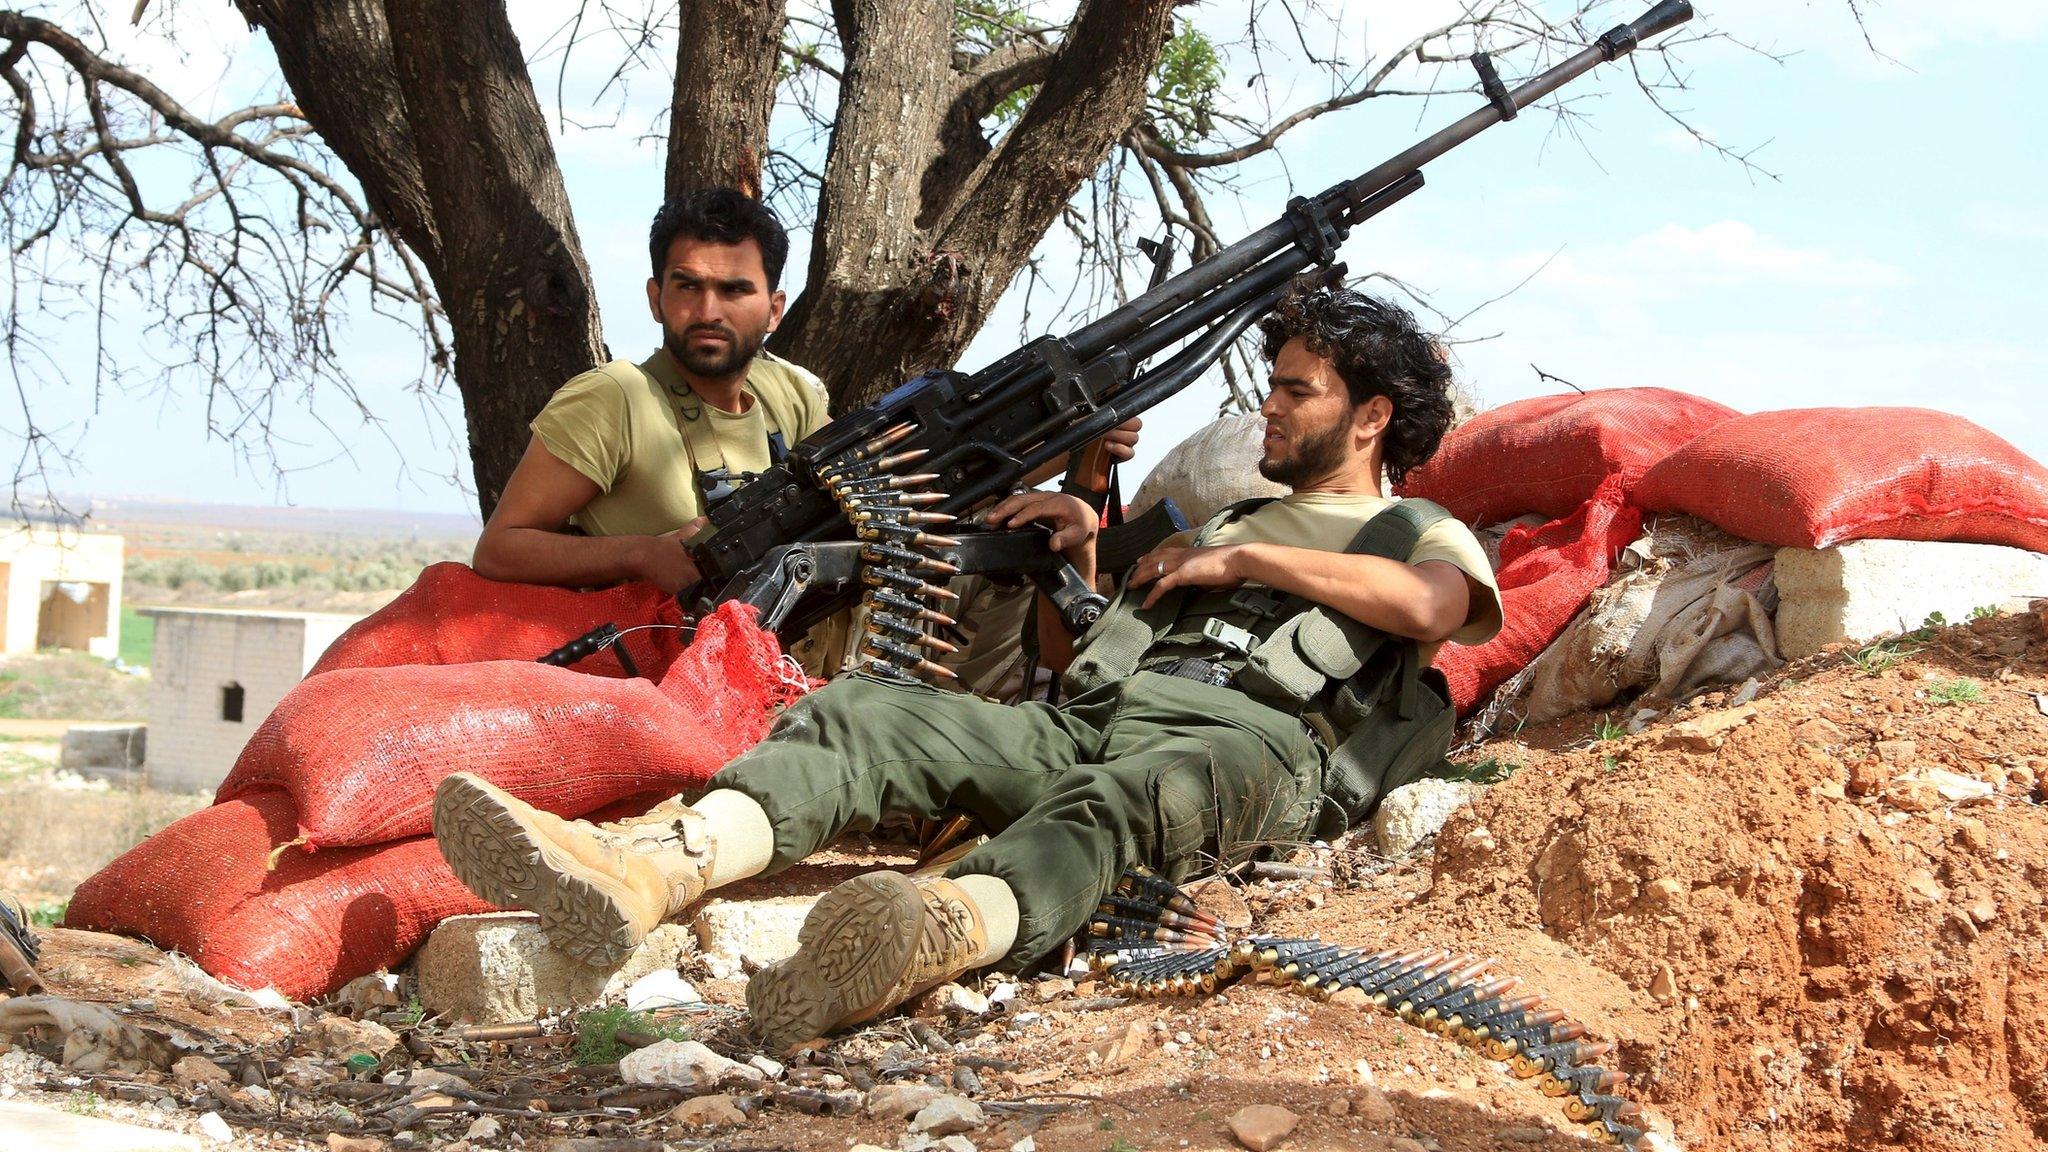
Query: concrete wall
[1871,588]
[32,562]
[200,653]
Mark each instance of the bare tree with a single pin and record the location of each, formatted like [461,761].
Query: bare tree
[929,147]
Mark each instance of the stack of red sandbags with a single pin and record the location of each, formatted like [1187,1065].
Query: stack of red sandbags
[1573,459]
[1814,477]
[317,865]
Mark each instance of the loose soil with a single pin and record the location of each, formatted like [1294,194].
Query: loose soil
[1801,934]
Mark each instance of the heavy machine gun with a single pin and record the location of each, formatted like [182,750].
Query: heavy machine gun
[866,505]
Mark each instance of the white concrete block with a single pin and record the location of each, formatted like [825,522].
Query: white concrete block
[1871,588]
[750,933]
[102,746]
[498,968]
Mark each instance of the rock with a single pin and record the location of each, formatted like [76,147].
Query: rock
[1705,733]
[1052,988]
[684,1064]
[1869,777]
[772,1069]
[340,1037]
[1027,1144]
[869,1148]
[434,1080]
[336,1142]
[1663,891]
[1912,794]
[662,988]
[901,1100]
[498,968]
[1478,841]
[1817,732]
[1897,752]
[1981,910]
[1920,882]
[949,1114]
[215,1129]
[1664,985]
[952,1144]
[1956,788]
[198,1072]
[366,994]
[750,934]
[1340,1107]
[1412,813]
[1371,1105]
[961,1001]
[1261,1126]
[1350,997]
[1218,898]
[483,1128]
[708,1112]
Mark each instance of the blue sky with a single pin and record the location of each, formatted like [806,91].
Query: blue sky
[1895,262]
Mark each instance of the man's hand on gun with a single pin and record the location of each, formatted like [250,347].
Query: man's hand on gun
[1072,522]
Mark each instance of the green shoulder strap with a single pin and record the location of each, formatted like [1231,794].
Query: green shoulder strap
[1110,650]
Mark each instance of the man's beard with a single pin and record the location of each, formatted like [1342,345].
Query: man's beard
[1320,453]
[733,359]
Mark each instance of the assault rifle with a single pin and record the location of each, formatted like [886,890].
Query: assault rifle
[858,507]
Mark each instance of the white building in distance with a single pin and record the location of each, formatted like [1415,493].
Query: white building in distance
[62,589]
[216,673]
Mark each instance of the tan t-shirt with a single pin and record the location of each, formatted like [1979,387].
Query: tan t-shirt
[1328,521]
[633,429]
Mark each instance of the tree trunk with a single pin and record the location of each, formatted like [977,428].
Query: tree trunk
[905,269]
[725,89]
[483,205]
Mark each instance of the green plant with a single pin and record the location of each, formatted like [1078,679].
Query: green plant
[1491,770]
[1983,611]
[414,1012]
[1106,1123]
[1961,690]
[597,1033]
[1609,763]
[48,914]
[1609,730]
[82,1104]
[1121,1145]
[1879,656]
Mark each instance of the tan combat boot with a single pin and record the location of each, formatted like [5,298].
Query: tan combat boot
[599,888]
[867,946]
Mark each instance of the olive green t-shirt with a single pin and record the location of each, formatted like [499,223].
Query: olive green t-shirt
[633,429]
[1329,521]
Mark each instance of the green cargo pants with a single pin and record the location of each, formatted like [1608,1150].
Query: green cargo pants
[1152,770]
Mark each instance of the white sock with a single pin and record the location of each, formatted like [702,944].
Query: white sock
[742,839]
[995,905]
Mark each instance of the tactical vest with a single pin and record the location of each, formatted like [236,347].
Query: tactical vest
[1382,717]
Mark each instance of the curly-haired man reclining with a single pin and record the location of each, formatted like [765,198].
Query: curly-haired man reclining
[1259,685]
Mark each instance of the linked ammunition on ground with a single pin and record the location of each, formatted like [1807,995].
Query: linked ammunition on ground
[1147,939]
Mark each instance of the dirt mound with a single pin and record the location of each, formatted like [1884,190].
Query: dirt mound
[1822,909]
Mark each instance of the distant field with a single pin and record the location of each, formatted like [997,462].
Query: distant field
[138,637]
[281,558]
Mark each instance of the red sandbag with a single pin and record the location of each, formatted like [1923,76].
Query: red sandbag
[451,615]
[1546,576]
[1547,454]
[1812,477]
[202,887]
[362,749]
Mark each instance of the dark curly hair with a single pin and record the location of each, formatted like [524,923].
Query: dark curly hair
[1378,350]
[719,216]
